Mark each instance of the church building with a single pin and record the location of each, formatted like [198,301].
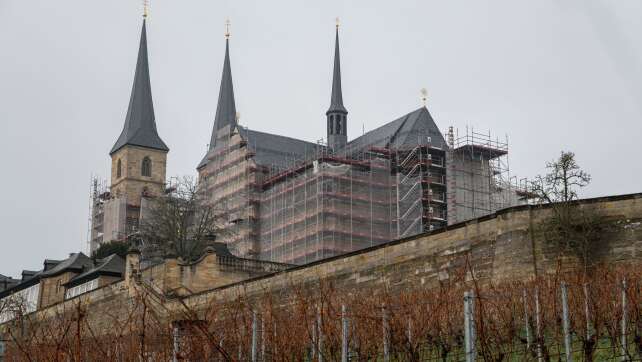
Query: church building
[293,201]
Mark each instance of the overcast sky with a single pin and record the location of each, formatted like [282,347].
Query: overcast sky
[552,75]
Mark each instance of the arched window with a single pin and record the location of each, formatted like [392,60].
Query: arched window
[146,167]
[331,125]
[338,124]
[119,168]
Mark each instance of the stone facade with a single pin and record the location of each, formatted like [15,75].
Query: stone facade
[52,289]
[131,183]
[502,246]
[212,270]
[116,214]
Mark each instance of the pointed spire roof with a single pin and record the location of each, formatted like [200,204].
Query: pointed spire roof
[226,107]
[140,126]
[336,100]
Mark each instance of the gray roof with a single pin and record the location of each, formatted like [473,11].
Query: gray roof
[27,274]
[271,150]
[219,249]
[112,265]
[278,151]
[226,107]
[282,152]
[75,262]
[7,282]
[407,131]
[140,125]
[336,99]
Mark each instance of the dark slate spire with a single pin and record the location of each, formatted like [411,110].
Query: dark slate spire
[140,127]
[336,100]
[226,108]
[337,114]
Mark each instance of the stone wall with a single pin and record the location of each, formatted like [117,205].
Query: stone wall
[175,276]
[506,245]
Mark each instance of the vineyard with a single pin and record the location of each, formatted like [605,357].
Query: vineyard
[557,317]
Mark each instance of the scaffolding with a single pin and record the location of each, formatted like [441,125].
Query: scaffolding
[478,177]
[327,206]
[98,194]
[232,179]
[300,208]
[421,188]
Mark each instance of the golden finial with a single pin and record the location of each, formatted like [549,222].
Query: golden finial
[145,8]
[227,28]
[337,22]
[424,96]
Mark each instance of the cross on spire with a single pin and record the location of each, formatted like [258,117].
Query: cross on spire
[424,96]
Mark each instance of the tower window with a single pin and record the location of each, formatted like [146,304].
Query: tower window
[331,125]
[338,124]
[146,167]
[119,168]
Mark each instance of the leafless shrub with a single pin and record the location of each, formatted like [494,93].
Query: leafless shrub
[423,324]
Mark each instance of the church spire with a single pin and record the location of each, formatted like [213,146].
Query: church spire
[140,125]
[226,107]
[337,113]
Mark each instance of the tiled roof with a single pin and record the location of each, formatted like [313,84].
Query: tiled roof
[407,131]
[112,265]
[278,151]
[76,262]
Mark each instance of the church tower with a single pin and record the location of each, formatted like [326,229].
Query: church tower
[225,117]
[139,156]
[337,114]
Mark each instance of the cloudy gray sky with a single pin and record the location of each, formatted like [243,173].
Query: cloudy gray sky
[550,74]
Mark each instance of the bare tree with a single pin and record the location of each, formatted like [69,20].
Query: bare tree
[573,227]
[562,181]
[182,222]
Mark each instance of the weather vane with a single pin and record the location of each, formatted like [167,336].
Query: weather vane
[337,22]
[145,8]
[424,96]
[227,28]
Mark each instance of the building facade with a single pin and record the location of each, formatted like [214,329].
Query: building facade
[57,281]
[138,163]
[293,201]
[78,275]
